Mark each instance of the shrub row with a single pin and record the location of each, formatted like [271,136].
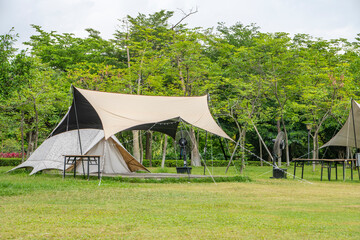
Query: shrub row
[10,155]
[155,162]
[179,163]
[10,161]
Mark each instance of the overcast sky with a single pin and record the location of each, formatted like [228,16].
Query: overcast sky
[320,18]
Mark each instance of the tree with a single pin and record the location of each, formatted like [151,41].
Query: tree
[65,51]
[13,67]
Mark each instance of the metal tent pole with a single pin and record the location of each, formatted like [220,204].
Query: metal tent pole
[77,124]
[357,152]
[352,113]
[205,150]
[78,129]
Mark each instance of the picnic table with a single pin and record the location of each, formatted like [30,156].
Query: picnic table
[326,163]
[75,159]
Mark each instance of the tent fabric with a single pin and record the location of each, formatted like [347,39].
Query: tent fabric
[114,112]
[113,156]
[345,136]
[86,116]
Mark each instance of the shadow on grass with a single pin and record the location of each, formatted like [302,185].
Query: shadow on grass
[183,180]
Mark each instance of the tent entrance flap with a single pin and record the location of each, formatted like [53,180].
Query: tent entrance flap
[84,112]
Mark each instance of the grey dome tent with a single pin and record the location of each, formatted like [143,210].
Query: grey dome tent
[114,157]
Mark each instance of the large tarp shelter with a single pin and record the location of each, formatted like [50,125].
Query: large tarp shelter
[350,131]
[114,112]
[114,157]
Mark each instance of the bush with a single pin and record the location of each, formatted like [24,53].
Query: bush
[10,161]
[10,155]
[10,145]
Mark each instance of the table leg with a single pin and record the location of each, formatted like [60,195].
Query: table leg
[98,167]
[74,167]
[294,169]
[83,167]
[302,170]
[64,167]
[336,170]
[344,167]
[88,168]
[329,171]
[322,167]
[351,170]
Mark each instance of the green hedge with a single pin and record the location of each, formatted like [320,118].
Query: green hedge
[155,162]
[179,163]
[10,161]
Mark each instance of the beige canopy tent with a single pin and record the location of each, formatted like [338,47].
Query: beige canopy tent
[350,131]
[114,112]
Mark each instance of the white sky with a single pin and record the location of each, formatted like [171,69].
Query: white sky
[320,18]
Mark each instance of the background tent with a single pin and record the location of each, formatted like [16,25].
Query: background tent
[114,112]
[351,130]
[114,158]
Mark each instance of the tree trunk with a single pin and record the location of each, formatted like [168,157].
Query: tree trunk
[195,156]
[148,152]
[141,148]
[287,150]
[22,136]
[136,148]
[278,126]
[139,84]
[243,133]
[175,146]
[181,76]
[286,143]
[30,143]
[315,150]
[36,137]
[261,155]
[164,151]
[198,136]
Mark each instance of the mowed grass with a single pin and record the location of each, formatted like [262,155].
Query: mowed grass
[47,207]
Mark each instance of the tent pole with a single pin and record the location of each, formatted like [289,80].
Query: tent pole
[352,113]
[77,124]
[356,155]
[205,152]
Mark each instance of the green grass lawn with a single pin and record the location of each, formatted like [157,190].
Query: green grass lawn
[47,207]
